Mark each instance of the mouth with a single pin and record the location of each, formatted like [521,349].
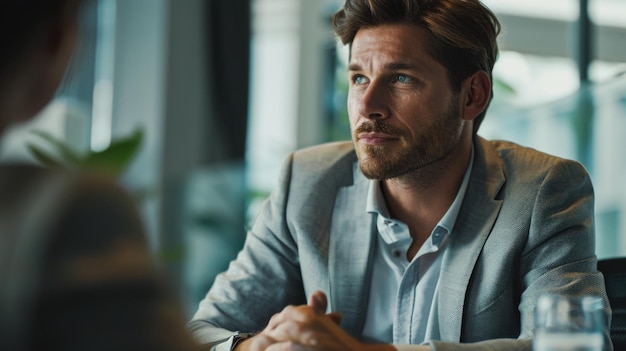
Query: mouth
[372,138]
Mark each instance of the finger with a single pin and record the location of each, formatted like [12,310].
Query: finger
[303,333]
[280,317]
[302,314]
[318,301]
[260,342]
[287,346]
[274,321]
[335,317]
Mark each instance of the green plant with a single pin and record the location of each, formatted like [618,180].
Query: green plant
[112,161]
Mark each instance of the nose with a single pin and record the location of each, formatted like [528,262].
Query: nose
[373,102]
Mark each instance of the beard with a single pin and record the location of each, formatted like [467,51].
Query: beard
[434,142]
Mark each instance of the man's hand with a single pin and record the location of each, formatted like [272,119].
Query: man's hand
[305,328]
[318,304]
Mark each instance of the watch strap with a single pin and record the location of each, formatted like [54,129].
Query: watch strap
[239,337]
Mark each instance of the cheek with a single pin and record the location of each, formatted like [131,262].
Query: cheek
[353,111]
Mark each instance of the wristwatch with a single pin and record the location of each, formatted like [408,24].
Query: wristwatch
[239,337]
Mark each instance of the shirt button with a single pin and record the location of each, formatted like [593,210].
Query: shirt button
[397,253]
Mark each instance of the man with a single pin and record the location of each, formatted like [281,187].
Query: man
[419,234]
[75,269]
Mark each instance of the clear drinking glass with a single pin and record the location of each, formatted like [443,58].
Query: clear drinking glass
[569,323]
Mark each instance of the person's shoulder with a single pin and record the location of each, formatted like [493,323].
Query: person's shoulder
[330,163]
[334,158]
[328,152]
[25,176]
[518,157]
[18,175]
[67,184]
[514,152]
[87,184]
[21,185]
[57,196]
[511,149]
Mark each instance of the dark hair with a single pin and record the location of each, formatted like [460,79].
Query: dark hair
[463,32]
[20,24]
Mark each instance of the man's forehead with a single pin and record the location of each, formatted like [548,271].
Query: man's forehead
[396,46]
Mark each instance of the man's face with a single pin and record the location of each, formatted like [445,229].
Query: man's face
[403,112]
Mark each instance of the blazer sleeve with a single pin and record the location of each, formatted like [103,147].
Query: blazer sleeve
[557,253]
[263,279]
[559,256]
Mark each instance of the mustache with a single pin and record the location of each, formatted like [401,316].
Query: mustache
[378,127]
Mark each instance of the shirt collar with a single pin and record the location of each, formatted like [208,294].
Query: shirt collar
[376,201]
[448,220]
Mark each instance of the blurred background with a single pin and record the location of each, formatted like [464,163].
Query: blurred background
[221,91]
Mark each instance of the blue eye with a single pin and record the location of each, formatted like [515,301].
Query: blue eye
[358,80]
[403,78]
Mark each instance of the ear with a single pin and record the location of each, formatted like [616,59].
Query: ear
[477,92]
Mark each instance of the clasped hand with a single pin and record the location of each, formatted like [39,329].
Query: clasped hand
[304,328]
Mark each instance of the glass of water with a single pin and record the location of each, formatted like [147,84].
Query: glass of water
[569,323]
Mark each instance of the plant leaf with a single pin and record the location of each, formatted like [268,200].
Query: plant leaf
[114,159]
[68,155]
[45,158]
[504,86]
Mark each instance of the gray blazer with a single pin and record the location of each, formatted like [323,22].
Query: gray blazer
[525,228]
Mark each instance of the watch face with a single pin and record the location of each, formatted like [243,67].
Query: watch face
[245,335]
[237,338]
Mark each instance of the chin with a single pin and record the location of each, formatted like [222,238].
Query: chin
[372,170]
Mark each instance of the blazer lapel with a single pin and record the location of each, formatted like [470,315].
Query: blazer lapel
[350,253]
[476,218]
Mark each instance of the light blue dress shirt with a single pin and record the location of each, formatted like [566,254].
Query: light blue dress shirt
[402,305]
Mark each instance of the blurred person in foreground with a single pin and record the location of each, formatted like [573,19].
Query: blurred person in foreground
[75,269]
[419,234]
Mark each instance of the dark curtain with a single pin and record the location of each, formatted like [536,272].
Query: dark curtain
[229,34]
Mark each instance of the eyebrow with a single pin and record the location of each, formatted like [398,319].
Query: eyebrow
[394,66]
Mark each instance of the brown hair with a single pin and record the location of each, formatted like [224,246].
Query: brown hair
[463,32]
[21,22]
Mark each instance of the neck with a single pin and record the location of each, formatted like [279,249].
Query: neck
[420,199]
